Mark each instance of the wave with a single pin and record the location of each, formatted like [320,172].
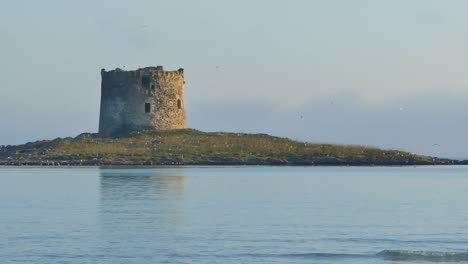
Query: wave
[391,255]
[309,255]
[433,256]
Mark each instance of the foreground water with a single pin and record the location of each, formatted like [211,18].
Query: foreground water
[234,215]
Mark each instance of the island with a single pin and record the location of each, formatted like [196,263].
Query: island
[142,122]
[192,147]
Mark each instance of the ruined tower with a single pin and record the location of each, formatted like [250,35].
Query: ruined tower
[148,98]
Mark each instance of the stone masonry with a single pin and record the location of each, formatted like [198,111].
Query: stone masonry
[148,98]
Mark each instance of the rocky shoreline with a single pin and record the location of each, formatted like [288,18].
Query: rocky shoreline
[236,162]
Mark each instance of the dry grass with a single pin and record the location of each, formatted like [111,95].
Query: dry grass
[190,146]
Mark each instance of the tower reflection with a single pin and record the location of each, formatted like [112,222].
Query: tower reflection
[141,201]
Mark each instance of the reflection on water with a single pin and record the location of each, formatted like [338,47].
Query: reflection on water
[153,184]
[234,215]
[137,200]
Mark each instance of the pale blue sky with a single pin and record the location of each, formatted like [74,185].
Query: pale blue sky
[383,73]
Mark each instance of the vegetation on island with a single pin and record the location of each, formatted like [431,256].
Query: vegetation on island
[193,147]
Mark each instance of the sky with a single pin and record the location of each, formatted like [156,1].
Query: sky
[391,74]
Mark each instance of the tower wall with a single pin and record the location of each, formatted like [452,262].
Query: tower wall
[148,98]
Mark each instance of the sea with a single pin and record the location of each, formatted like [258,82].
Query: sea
[234,215]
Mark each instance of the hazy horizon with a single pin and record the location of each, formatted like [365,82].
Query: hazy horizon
[390,74]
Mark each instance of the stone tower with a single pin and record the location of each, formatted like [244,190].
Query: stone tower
[148,98]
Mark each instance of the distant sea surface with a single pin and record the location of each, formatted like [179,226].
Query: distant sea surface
[234,215]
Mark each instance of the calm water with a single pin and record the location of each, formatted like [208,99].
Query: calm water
[234,215]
